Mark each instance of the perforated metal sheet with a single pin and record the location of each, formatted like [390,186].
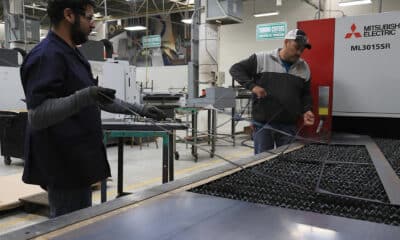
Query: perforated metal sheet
[349,172]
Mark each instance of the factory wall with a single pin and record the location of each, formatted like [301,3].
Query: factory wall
[238,41]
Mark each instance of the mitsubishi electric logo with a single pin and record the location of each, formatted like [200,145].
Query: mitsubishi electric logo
[373,31]
[353,32]
[376,31]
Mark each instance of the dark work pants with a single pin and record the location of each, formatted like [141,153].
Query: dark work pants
[266,139]
[63,201]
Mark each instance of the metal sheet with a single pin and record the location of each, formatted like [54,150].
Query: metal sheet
[195,216]
[389,178]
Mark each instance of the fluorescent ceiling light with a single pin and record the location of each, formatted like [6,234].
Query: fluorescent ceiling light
[184,2]
[187,20]
[135,28]
[345,3]
[98,15]
[266,14]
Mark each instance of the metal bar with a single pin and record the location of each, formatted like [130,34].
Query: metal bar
[34,7]
[105,8]
[213,131]
[389,179]
[103,190]
[141,6]
[165,160]
[233,125]
[103,184]
[194,135]
[120,184]
[24,16]
[171,152]
[134,133]
[209,126]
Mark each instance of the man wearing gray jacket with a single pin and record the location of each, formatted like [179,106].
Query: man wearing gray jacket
[280,83]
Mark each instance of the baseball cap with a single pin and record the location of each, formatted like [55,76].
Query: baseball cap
[299,36]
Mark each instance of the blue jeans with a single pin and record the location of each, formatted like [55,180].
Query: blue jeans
[266,139]
[63,201]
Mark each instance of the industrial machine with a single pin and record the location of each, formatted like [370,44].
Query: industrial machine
[355,62]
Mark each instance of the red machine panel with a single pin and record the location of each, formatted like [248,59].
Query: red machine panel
[321,34]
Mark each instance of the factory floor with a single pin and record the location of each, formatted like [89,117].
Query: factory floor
[142,169]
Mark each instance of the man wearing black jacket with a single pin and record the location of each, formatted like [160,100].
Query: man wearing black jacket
[280,83]
[64,152]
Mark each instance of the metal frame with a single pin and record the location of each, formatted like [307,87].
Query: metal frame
[167,157]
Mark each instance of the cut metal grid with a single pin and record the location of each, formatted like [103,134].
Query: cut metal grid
[349,171]
[391,149]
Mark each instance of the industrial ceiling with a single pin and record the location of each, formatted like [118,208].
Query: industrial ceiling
[114,9]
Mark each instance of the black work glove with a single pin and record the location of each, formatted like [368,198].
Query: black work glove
[153,112]
[102,95]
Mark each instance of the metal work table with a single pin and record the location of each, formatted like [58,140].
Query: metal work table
[122,129]
[194,216]
[211,128]
[169,212]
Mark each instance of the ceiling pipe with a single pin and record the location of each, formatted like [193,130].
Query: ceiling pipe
[35,7]
[380,6]
[105,8]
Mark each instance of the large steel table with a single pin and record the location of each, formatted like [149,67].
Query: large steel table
[168,211]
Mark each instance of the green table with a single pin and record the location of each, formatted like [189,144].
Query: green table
[121,130]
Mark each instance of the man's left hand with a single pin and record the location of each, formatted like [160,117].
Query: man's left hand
[308,118]
[154,113]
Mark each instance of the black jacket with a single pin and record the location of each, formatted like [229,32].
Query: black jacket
[288,93]
[70,153]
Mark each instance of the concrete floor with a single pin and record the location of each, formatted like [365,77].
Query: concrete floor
[142,170]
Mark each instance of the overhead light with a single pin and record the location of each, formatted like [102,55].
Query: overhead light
[266,14]
[345,3]
[183,2]
[187,21]
[135,28]
[98,15]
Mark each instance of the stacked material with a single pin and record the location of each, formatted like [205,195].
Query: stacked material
[290,181]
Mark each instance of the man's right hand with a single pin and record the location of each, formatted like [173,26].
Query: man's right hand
[102,95]
[259,92]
